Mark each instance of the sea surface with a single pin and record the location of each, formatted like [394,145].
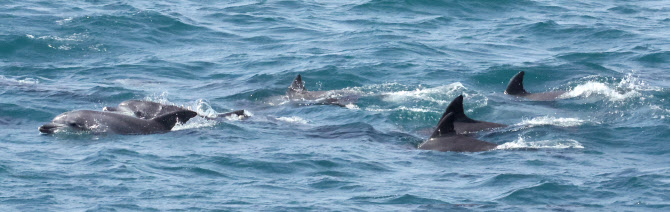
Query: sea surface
[603,146]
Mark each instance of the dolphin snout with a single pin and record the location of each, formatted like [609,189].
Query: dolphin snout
[48,128]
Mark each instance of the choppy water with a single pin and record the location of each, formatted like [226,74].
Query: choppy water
[603,147]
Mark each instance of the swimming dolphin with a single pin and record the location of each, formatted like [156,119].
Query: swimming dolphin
[148,110]
[464,124]
[515,88]
[107,122]
[296,92]
[445,139]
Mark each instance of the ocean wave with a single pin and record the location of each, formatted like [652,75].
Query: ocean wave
[292,119]
[18,81]
[589,89]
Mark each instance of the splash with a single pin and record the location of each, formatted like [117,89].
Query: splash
[193,123]
[351,106]
[435,94]
[521,143]
[628,87]
[402,108]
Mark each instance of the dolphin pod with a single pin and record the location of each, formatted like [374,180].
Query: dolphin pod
[451,133]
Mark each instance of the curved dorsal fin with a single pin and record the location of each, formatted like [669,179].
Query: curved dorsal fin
[456,107]
[169,120]
[445,126]
[515,86]
[297,85]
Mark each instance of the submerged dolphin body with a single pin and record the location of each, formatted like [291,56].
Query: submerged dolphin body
[464,124]
[148,110]
[107,122]
[445,139]
[296,92]
[515,88]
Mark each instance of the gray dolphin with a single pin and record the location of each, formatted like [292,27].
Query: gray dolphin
[107,122]
[297,92]
[148,110]
[445,139]
[464,124]
[515,88]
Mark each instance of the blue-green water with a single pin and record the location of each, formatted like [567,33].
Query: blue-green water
[604,147]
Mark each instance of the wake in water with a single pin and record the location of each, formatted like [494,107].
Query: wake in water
[523,143]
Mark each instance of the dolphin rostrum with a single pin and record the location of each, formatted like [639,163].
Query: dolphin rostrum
[107,122]
[515,88]
[445,139]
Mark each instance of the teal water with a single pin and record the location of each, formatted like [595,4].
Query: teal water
[603,147]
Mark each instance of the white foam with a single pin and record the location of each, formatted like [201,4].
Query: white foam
[547,120]
[351,106]
[521,143]
[628,87]
[292,119]
[596,88]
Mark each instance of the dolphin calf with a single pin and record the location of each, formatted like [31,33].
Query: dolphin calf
[444,139]
[515,88]
[148,110]
[464,124]
[107,122]
[296,92]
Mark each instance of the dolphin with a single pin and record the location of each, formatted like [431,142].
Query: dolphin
[445,139]
[464,124]
[515,88]
[107,122]
[296,92]
[148,110]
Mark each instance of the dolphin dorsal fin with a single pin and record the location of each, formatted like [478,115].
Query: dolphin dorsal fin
[515,86]
[170,119]
[297,85]
[445,126]
[456,107]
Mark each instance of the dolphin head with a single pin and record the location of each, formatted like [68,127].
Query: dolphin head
[70,121]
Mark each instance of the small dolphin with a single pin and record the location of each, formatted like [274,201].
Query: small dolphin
[297,92]
[515,88]
[106,122]
[148,110]
[445,139]
[464,124]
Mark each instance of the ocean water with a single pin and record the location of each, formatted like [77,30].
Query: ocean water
[602,147]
